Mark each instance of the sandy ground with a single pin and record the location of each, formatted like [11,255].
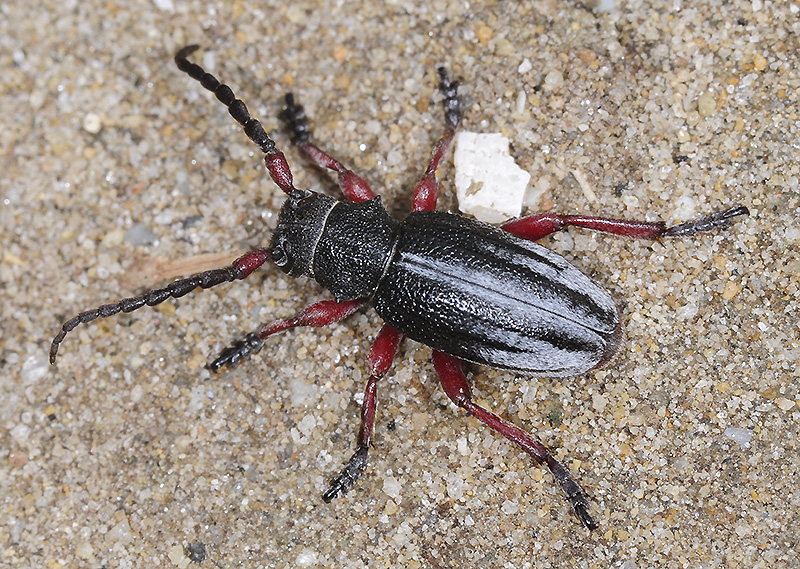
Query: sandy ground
[119,173]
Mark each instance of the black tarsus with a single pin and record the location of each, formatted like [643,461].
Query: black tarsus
[240,350]
[452,103]
[349,475]
[719,220]
[295,118]
[573,491]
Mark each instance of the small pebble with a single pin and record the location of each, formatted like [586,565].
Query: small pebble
[92,123]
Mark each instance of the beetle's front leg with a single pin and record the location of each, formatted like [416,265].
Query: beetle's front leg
[380,360]
[353,186]
[317,315]
[455,385]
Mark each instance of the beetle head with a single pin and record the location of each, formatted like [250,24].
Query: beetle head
[300,226]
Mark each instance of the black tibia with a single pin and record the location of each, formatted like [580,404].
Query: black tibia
[719,220]
[237,109]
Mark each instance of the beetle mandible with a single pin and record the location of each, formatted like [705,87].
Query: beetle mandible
[468,290]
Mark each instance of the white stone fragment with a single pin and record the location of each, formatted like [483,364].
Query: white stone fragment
[165,5]
[588,192]
[307,558]
[490,185]
[604,6]
[455,486]
[509,507]
[522,98]
[307,425]
[177,556]
[392,487]
[84,550]
[34,368]
[120,533]
[92,123]
[739,435]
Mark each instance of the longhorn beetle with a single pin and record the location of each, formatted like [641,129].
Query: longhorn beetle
[468,290]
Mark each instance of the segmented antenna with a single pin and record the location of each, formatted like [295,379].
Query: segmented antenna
[236,107]
[277,166]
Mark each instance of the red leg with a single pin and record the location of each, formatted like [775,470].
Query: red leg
[535,227]
[380,360]
[317,315]
[354,187]
[239,269]
[455,385]
[426,193]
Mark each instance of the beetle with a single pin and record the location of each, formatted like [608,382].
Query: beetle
[468,290]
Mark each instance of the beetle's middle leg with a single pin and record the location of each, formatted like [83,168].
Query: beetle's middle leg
[455,385]
[317,315]
[535,227]
[381,355]
[353,186]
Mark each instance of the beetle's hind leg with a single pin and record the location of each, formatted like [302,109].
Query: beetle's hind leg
[541,225]
[380,360]
[317,315]
[455,385]
[426,194]
[353,186]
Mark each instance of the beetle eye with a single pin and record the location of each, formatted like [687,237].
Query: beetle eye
[279,253]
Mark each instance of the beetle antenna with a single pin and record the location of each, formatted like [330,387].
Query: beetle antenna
[236,107]
[239,269]
[276,162]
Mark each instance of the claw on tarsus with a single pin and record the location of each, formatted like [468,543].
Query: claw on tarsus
[581,510]
[241,350]
[718,220]
[348,477]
